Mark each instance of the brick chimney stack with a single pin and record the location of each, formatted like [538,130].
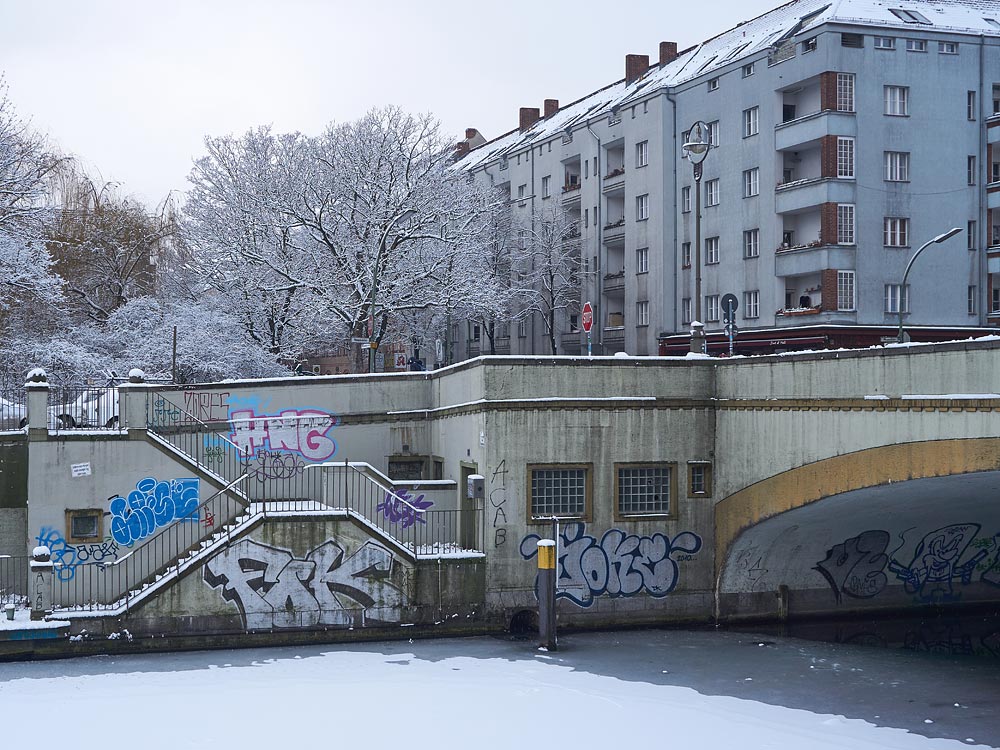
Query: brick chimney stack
[461,149]
[668,52]
[470,133]
[635,66]
[551,107]
[528,116]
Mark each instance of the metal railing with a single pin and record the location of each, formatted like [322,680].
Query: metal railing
[13,413]
[83,407]
[14,581]
[96,586]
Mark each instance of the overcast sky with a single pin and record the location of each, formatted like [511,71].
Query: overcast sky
[133,87]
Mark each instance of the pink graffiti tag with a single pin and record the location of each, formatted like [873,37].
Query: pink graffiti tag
[302,431]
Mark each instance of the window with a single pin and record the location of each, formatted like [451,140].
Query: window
[972,170]
[545,187]
[711,250]
[897,166]
[895,232]
[845,92]
[885,42]
[699,480]
[522,329]
[909,16]
[948,48]
[642,260]
[971,234]
[972,300]
[686,254]
[712,193]
[586,218]
[845,224]
[995,297]
[748,70]
[520,193]
[751,305]
[896,100]
[845,290]
[642,490]
[892,301]
[809,45]
[686,310]
[750,121]
[713,84]
[751,243]
[751,182]
[84,525]
[642,154]
[845,158]
[561,491]
[712,308]
[475,332]
[686,199]
[971,106]
[713,133]
[916,45]
[848,40]
[642,313]
[642,207]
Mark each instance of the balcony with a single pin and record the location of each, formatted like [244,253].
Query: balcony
[569,342]
[614,181]
[614,282]
[571,193]
[813,258]
[812,127]
[993,129]
[614,232]
[614,336]
[800,316]
[993,195]
[792,197]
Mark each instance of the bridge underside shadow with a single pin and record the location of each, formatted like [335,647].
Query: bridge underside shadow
[896,546]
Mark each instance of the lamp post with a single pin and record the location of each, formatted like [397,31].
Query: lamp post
[902,287]
[695,150]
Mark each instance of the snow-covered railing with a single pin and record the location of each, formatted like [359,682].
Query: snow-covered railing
[13,580]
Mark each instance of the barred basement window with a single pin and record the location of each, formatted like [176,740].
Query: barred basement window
[699,479]
[84,525]
[643,490]
[560,491]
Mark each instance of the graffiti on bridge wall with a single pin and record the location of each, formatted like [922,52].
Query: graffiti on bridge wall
[273,589]
[620,564]
[300,431]
[68,557]
[152,505]
[207,406]
[403,508]
[857,567]
[275,465]
[498,499]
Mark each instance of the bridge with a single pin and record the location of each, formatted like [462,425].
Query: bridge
[787,486]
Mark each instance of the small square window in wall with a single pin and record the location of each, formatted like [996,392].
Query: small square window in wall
[809,45]
[84,525]
[748,70]
[699,479]
[948,48]
[645,490]
[713,84]
[559,490]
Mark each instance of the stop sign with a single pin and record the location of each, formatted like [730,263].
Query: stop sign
[588,317]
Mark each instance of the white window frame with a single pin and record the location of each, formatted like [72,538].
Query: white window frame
[751,243]
[885,42]
[748,70]
[897,166]
[845,92]
[947,48]
[713,133]
[641,154]
[711,251]
[845,158]
[896,231]
[713,84]
[891,299]
[846,234]
[642,313]
[642,260]
[712,192]
[712,308]
[916,45]
[686,254]
[545,186]
[846,294]
[751,182]
[751,121]
[896,101]
[686,199]
[972,300]
[751,304]
[686,310]
[972,113]
[642,207]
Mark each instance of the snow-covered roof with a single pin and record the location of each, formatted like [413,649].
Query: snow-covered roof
[746,40]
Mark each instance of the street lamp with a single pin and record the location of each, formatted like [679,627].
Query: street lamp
[902,287]
[695,151]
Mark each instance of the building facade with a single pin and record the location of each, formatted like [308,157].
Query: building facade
[844,136]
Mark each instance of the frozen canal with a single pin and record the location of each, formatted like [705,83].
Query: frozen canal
[660,688]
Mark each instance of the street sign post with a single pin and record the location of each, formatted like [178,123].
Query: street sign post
[729,306]
[588,322]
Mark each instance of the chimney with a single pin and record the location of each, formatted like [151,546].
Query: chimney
[461,149]
[551,107]
[635,66]
[527,116]
[470,133]
[668,52]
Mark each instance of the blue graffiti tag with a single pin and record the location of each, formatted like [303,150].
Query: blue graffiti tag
[152,505]
[67,557]
[620,564]
[405,513]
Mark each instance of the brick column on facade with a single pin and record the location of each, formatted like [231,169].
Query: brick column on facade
[828,90]
[828,224]
[828,288]
[828,156]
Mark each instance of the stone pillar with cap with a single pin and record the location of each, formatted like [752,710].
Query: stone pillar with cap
[132,400]
[37,412]
[40,583]
[699,344]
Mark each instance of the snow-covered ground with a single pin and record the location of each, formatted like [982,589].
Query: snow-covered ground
[607,690]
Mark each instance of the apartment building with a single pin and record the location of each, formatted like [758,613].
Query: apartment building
[844,136]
